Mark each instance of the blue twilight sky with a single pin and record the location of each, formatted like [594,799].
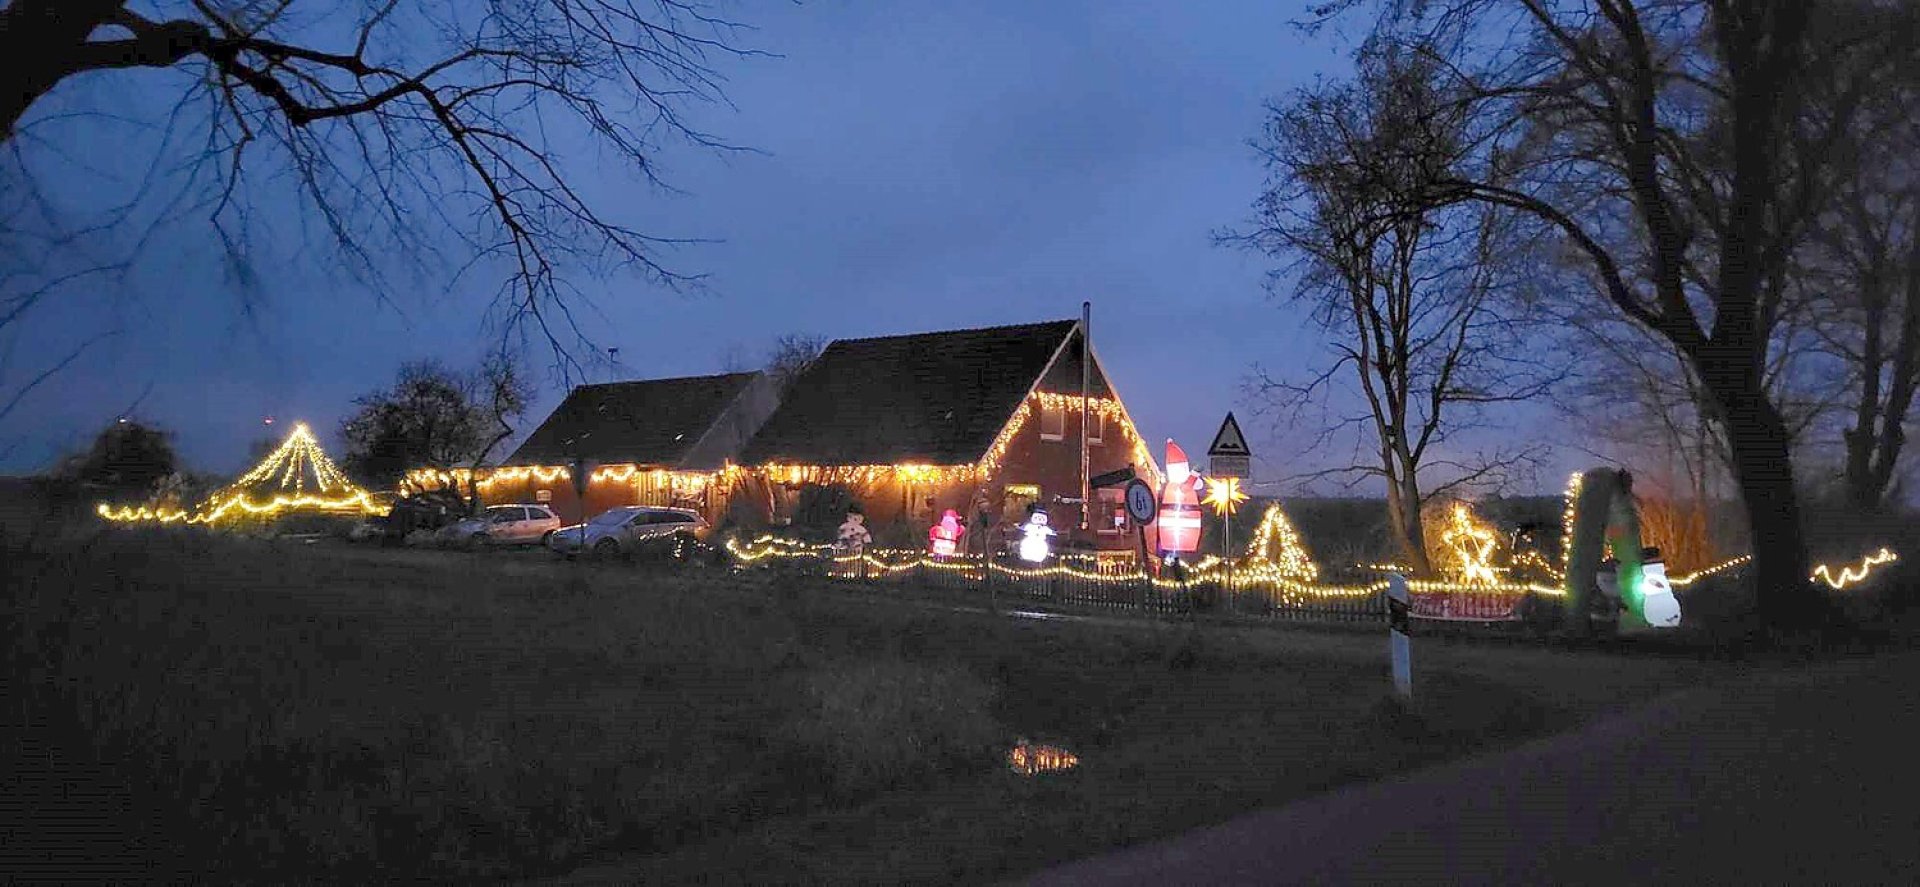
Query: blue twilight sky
[923,166]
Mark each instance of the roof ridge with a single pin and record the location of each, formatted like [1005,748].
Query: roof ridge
[665,379]
[978,329]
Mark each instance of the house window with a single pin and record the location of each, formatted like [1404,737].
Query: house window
[919,503]
[1053,422]
[1020,497]
[786,499]
[1110,518]
[1096,427]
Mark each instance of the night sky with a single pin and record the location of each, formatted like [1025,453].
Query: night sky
[922,166]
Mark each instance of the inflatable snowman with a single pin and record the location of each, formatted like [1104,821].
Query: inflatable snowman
[1657,603]
[854,537]
[1034,534]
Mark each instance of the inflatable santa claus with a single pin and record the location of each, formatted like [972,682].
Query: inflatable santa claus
[943,539]
[1179,520]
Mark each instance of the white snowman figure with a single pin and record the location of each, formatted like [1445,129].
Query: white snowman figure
[1658,604]
[854,536]
[1034,546]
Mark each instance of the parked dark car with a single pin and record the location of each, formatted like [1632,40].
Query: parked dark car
[428,511]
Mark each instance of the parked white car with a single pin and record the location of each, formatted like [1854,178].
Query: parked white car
[504,525]
[624,529]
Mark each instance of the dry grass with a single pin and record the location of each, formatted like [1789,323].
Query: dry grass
[277,712]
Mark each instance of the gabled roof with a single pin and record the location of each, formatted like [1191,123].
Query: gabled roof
[932,398]
[650,422]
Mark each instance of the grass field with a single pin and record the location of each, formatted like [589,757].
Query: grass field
[281,711]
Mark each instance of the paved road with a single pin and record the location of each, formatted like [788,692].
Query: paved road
[1783,778]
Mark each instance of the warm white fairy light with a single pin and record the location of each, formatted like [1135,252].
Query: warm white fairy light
[1473,544]
[1276,543]
[1852,575]
[692,482]
[1032,760]
[278,483]
[1570,500]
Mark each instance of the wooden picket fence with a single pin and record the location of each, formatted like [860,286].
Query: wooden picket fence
[1086,581]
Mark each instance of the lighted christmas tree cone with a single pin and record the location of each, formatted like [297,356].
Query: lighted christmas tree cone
[295,478]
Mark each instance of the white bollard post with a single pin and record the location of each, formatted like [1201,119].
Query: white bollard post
[1399,617]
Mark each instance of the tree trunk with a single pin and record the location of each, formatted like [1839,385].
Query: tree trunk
[1871,457]
[38,41]
[1757,437]
[1403,511]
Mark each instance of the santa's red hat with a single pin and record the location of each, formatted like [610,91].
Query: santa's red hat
[1175,455]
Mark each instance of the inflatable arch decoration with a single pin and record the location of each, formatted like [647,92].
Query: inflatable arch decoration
[1605,518]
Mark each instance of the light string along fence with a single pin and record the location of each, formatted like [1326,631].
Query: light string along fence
[1275,575]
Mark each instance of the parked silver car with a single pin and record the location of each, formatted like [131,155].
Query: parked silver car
[624,529]
[505,525]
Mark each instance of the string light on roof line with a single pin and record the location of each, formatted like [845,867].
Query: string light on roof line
[853,475]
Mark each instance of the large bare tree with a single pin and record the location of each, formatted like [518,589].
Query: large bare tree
[1421,305]
[412,127]
[1682,129]
[1861,279]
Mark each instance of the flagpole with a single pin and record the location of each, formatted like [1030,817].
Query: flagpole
[1086,376]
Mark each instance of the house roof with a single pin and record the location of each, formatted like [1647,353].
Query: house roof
[931,398]
[649,422]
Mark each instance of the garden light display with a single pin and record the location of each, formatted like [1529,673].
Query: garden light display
[1034,536]
[1852,575]
[1277,546]
[1223,493]
[1027,759]
[297,476]
[1473,545]
[1179,519]
[1275,561]
[943,538]
[1225,496]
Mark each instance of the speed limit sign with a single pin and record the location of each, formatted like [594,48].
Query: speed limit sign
[1141,505]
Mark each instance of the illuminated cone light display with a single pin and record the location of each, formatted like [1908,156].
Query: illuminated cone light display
[297,477]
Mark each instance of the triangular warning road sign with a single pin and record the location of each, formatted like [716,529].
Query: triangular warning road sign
[1229,441]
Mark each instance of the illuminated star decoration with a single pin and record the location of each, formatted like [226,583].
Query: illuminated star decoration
[1474,544]
[1223,493]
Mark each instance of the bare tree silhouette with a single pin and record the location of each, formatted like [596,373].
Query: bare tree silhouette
[452,132]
